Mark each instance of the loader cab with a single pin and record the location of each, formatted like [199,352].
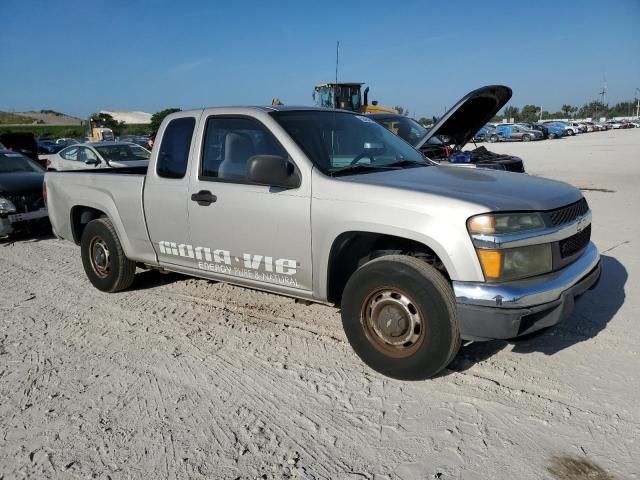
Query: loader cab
[345,96]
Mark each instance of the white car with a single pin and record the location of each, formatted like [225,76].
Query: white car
[99,155]
[577,127]
[614,125]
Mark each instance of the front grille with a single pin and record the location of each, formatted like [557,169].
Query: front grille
[572,245]
[28,202]
[569,213]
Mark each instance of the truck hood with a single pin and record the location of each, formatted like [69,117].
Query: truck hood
[495,190]
[21,182]
[469,115]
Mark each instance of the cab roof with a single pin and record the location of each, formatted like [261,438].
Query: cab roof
[340,84]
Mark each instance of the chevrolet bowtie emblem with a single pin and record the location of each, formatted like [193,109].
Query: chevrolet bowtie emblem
[582,224]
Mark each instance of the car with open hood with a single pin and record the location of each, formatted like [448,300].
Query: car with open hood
[444,141]
[21,197]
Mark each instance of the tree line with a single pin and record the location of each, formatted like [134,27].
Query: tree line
[595,109]
[533,113]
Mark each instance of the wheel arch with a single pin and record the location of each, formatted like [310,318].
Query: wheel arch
[80,216]
[351,249]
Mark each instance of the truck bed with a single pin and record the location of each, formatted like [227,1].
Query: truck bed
[116,192]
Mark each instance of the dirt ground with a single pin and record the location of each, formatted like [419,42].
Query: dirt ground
[183,378]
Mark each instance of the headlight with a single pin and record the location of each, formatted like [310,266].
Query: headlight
[515,263]
[6,206]
[501,223]
[505,264]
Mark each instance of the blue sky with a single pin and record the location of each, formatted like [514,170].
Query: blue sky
[80,57]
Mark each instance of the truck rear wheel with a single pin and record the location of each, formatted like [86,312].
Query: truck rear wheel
[104,261]
[399,315]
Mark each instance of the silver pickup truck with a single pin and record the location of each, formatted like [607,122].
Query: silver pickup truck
[328,206]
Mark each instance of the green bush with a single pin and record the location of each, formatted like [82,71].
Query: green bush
[73,131]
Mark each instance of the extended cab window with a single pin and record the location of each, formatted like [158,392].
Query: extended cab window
[174,149]
[229,144]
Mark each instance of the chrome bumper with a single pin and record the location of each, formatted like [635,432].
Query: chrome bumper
[529,292]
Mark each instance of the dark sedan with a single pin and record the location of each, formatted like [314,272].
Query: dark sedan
[21,199]
[537,126]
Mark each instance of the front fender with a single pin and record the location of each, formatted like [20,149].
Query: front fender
[450,243]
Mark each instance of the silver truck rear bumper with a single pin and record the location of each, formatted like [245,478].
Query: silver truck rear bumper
[507,310]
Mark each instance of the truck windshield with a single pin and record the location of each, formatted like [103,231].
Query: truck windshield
[15,162]
[336,141]
[123,153]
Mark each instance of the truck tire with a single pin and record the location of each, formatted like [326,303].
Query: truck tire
[104,261]
[399,315]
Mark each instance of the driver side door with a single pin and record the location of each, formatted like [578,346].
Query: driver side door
[254,234]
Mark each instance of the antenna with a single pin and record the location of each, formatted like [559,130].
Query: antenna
[603,92]
[337,58]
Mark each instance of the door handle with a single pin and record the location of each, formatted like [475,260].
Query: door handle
[204,198]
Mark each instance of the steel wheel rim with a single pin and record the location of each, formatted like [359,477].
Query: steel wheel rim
[99,257]
[393,323]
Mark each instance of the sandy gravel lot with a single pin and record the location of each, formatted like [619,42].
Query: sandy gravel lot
[183,378]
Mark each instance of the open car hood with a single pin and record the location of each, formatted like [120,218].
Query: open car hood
[469,115]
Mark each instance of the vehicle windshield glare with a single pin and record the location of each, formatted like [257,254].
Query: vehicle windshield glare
[406,128]
[17,163]
[335,141]
[123,153]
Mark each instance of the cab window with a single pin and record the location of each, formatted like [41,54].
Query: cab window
[229,144]
[173,156]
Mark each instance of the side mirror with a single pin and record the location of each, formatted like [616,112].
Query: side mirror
[272,170]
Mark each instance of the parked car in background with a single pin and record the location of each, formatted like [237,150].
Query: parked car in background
[141,140]
[568,129]
[99,155]
[21,198]
[578,127]
[537,126]
[65,142]
[556,130]
[487,133]
[21,142]
[444,141]
[515,133]
[48,146]
[614,125]
[592,126]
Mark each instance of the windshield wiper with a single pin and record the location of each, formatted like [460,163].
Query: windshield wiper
[407,163]
[360,168]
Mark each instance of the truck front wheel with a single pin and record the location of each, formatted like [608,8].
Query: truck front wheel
[104,261]
[399,315]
